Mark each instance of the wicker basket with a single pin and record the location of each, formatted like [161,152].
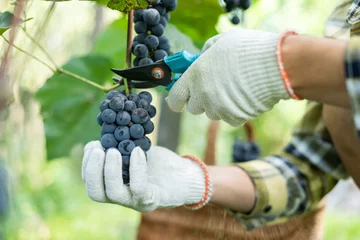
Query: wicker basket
[214,222]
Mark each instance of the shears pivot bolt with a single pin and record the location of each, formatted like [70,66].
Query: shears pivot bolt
[157,73]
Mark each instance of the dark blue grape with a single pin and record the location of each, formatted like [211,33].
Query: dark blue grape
[108,141]
[117,103]
[235,19]
[172,6]
[152,41]
[99,119]
[145,61]
[136,131]
[146,96]
[104,105]
[108,128]
[157,30]
[164,43]
[141,51]
[123,118]
[140,38]
[147,148]
[163,21]
[138,15]
[123,97]
[122,133]
[151,16]
[125,147]
[152,111]
[140,27]
[139,115]
[112,94]
[148,127]
[133,97]
[160,55]
[126,162]
[108,116]
[130,106]
[244,4]
[160,9]
[142,103]
[167,16]
[143,143]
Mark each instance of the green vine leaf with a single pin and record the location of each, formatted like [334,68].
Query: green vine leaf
[6,20]
[124,5]
[69,107]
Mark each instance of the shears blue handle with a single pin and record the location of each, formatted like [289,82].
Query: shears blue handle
[179,63]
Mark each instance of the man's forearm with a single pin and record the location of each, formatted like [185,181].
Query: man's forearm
[316,68]
[232,188]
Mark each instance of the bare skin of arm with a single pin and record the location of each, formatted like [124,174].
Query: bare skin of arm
[341,127]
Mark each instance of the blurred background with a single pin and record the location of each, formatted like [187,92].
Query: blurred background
[44,129]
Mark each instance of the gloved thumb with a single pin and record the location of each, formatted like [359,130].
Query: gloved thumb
[179,94]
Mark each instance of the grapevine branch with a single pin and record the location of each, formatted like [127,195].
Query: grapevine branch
[128,47]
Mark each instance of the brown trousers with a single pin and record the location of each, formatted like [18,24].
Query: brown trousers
[212,222]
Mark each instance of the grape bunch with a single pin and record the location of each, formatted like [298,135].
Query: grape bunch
[234,6]
[150,45]
[245,151]
[125,120]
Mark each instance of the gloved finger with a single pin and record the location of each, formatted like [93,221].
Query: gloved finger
[210,42]
[138,174]
[212,115]
[94,175]
[194,106]
[88,149]
[114,186]
[178,95]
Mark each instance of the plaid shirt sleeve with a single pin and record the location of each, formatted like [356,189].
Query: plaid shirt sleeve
[352,69]
[293,182]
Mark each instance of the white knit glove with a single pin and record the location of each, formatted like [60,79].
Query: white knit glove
[235,79]
[161,180]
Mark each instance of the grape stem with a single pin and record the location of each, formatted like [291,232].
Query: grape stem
[128,47]
[56,69]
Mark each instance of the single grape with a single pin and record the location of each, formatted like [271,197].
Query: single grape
[99,119]
[168,3]
[140,38]
[172,6]
[108,116]
[133,97]
[141,51]
[137,131]
[117,103]
[139,115]
[160,9]
[164,43]
[235,19]
[159,55]
[123,97]
[228,8]
[148,127]
[123,118]
[122,133]
[152,111]
[126,162]
[167,16]
[140,27]
[125,147]
[104,105]
[147,148]
[152,41]
[151,16]
[143,143]
[108,141]
[134,44]
[145,61]
[163,21]
[138,15]
[146,96]
[108,128]
[142,103]
[157,30]
[244,4]
[112,94]
[130,106]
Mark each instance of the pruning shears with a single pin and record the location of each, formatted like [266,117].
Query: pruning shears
[161,73]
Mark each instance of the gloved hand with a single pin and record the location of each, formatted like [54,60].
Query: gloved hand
[161,179]
[235,79]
